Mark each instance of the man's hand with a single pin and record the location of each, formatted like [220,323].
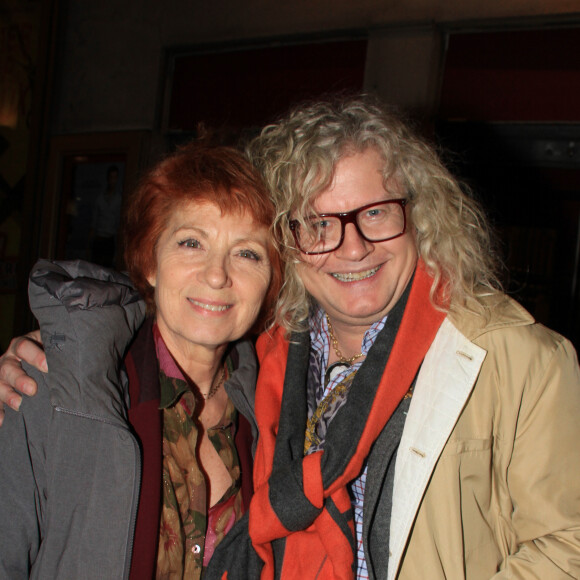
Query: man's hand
[13,380]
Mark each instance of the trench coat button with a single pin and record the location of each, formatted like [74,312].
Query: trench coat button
[196,548]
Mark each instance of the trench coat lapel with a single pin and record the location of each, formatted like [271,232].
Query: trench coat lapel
[445,381]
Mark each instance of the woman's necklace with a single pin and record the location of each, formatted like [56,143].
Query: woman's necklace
[215,388]
[342,363]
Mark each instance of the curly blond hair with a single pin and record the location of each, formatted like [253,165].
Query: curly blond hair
[297,157]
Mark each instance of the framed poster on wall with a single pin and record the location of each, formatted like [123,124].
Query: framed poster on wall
[89,178]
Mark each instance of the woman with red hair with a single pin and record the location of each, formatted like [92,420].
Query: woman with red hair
[142,478]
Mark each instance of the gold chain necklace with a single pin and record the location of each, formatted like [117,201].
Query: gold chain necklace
[215,388]
[336,348]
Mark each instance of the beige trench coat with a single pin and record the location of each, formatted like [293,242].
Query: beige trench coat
[487,479]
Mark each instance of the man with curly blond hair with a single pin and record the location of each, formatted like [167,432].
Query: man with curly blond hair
[415,422]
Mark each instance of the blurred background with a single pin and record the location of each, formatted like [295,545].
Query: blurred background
[92,92]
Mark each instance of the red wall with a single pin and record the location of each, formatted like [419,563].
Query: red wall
[249,87]
[513,76]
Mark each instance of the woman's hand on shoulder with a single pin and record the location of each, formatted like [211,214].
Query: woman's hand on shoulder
[13,379]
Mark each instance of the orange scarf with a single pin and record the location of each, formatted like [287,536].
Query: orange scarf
[305,499]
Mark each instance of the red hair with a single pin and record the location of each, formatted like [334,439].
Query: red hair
[196,172]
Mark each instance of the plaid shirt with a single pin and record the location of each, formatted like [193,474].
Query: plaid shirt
[320,349]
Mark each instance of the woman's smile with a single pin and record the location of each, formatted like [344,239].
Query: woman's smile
[210,306]
[212,275]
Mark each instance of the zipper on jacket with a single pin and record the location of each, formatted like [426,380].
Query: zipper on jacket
[134,508]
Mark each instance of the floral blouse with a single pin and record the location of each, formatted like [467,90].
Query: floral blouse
[189,529]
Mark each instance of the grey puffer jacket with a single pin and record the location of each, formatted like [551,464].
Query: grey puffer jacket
[69,462]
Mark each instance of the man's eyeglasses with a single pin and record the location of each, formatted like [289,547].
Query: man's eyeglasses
[376,222]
